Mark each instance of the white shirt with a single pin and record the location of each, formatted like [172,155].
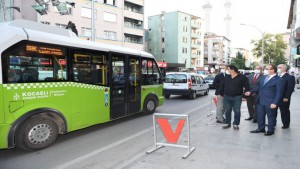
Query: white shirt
[282,74]
[269,77]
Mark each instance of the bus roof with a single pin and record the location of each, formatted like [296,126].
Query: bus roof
[18,30]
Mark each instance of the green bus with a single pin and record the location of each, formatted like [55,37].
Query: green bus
[52,83]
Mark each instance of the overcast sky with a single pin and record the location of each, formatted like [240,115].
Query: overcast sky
[271,16]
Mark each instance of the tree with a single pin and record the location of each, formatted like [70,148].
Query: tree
[239,61]
[274,48]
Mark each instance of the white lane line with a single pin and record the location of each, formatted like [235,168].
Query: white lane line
[94,153]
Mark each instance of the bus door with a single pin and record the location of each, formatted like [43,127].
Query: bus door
[118,86]
[134,86]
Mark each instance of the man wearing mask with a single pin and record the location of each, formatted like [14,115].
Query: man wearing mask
[269,97]
[232,91]
[217,84]
[254,81]
[287,88]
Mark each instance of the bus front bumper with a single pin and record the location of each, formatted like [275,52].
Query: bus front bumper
[4,129]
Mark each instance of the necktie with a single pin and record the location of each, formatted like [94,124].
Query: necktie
[266,80]
[254,79]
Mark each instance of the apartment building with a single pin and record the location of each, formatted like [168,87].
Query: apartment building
[216,50]
[176,38]
[118,22]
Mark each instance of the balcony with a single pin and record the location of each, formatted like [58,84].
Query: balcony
[195,25]
[195,56]
[133,31]
[195,35]
[195,46]
[133,15]
[138,2]
[216,48]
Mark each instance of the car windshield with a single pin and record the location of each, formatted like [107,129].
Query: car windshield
[176,78]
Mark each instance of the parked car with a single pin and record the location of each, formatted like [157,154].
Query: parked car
[210,80]
[181,83]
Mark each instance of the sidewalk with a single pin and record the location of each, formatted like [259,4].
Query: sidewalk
[217,148]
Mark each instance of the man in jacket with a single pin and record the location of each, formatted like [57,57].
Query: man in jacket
[287,88]
[269,97]
[217,84]
[254,81]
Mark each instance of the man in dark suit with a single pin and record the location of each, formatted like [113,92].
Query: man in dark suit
[219,79]
[269,97]
[254,81]
[287,88]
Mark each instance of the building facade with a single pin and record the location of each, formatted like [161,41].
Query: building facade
[294,25]
[118,22]
[216,50]
[177,38]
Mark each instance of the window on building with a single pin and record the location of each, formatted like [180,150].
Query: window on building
[108,2]
[162,39]
[87,13]
[163,50]
[185,18]
[163,29]
[184,50]
[110,35]
[110,17]
[86,31]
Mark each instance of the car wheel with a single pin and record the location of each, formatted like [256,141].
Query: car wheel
[167,96]
[37,133]
[193,95]
[207,91]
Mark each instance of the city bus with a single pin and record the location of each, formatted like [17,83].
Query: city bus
[52,83]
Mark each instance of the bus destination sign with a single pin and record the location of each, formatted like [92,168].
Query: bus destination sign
[44,50]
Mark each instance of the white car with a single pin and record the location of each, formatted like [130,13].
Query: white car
[181,83]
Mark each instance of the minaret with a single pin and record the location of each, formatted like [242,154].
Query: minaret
[227,18]
[207,8]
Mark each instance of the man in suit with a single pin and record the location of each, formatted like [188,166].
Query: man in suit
[219,79]
[288,88]
[254,81]
[269,97]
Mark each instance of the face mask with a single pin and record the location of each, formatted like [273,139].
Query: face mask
[227,72]
[266,72]
[279,71]
[223,71]
[257,71]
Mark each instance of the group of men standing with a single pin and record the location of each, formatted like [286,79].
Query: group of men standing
[265,93]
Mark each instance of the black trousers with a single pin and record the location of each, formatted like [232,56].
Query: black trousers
[285,113]
[251,104]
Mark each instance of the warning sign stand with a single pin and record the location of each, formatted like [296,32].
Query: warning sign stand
[171,137]
[213,105]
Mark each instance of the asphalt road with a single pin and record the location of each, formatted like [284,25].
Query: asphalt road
[112,145]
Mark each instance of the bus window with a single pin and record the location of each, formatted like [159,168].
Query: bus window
[90,68]
[35,63]
[150,73]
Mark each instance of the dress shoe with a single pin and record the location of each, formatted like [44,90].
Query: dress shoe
[222,122]
[285,127]
[258,131]
[249,118]
[254,121]
[236,127]
[226,127]
[269,133]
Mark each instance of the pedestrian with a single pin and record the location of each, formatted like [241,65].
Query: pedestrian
[232,91]
[217,84]
[254,81]
[288,87]
[269,97]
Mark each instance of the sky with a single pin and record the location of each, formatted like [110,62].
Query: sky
[271,16]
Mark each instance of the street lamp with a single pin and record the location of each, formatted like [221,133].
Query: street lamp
[262,41]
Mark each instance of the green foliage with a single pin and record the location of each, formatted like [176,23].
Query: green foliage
[239,61]
[274,47]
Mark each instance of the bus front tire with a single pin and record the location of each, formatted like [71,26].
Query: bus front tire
[36,133]
[150,105]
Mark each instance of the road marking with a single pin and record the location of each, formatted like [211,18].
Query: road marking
[94,153]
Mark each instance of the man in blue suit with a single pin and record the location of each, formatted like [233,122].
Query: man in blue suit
[287,88]
[269,97]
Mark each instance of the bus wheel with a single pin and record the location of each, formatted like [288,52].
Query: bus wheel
[37,133]
[150,105]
